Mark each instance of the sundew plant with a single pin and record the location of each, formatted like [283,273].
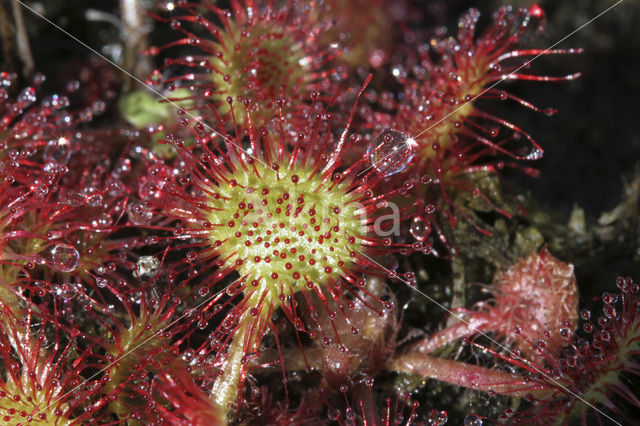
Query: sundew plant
[327,212]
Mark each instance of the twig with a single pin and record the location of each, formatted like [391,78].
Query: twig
[22,41]
[458,298]
[135,28]
[7,36]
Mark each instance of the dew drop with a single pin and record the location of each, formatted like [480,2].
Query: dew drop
[101,221]
[608,298]
[472,420]
[535,154]
[609,311]
[57,153]
[27,97]
[139,214]
[67,291]
[333,414]
[391,151]
[438,418]
[419,229]
[273,126]
[350,414]
[188,354]
[64,257]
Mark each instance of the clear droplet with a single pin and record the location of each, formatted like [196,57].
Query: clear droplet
[147,266]
[6,79]
[27,97]
[139,214]
[535,154]
[419,229]
[350,414]
[472,420]
[391,151]
[55,102]
[333,414]
[101,221]
[57,153]
[438,418]
[67,291]
[64,257]
[609,311]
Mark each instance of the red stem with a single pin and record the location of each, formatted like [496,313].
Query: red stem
[467,375]
[478,322]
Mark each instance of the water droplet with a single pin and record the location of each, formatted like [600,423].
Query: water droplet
[535,154]
[146,266]
[188,354]
[438,418]
[333,414]
[101,221]
[67,291]
[27,97]
[56,154]
[64,257]
[350,414]
[608,298]
[55,102]
[472,420]
[609,311]
[139,214]
[419,229]
[391,151]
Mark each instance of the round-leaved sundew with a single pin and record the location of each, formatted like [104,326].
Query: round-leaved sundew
[455,139]
[39,386]
[533,300]
[296,227]
[260,52]
[286,226]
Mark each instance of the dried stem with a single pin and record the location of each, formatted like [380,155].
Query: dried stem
[7,36]
[22,40]
[459,286]
[16,51]
[136,27]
